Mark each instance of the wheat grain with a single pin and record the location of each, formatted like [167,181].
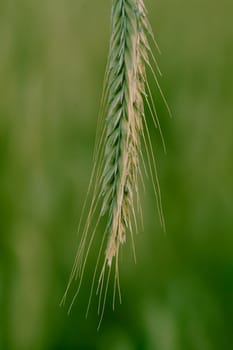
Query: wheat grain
[122,127]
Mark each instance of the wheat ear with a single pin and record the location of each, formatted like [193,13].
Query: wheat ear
[122,128]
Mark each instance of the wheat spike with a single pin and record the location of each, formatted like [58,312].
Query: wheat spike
[121,129]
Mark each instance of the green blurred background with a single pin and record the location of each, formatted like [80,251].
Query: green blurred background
[179,295]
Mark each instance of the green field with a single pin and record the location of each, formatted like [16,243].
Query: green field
[179,295]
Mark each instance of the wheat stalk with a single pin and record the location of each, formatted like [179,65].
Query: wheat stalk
[122,127]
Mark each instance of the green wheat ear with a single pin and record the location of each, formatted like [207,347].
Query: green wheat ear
[121,129]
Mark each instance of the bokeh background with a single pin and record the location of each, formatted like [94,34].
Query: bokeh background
[179,295]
